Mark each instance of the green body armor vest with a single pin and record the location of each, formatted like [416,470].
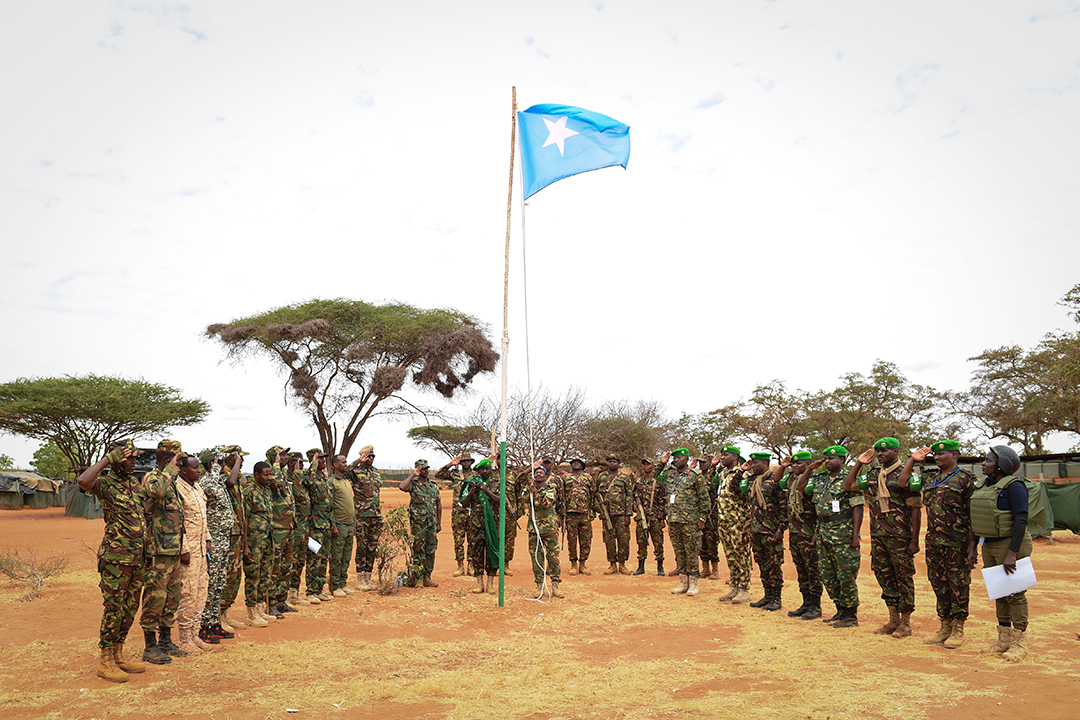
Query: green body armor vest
[986,519]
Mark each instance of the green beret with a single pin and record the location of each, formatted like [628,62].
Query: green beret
[731,449]
[887,442]
[802,455]
[680,452]
[761,456]
[945,445]
[482,464]
[835,451]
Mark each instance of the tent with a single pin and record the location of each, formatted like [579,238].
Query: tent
[19,488]
[79,503]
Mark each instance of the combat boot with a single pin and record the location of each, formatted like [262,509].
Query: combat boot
[691,591]
[506,570]
[894,622]
[254,619]
[573,568]
[943,633]
[799,611]
[729,595]
[903,630]
[612,569]
[350,591]
[555,591]
[684,585]
[221,632]
[128,666]
[339,593]
[582,569]
[313,599]
[741,598]
[224,625]
[706,569]
[276,613]
[324,596]
[491,583]
[187,645]
[166,644]
[460,569]
[839,615]
[623,570]
[107,668]
[428,582]
[205,636]
[265,613]
[1004,641]
[774,602]
[366,584]
[716,570]
[479,585]
[763,601]
[285,607]
[640,568]
[659,568]
[234,622]
[956,639]
[813,610]
[850,619]
[1018,650]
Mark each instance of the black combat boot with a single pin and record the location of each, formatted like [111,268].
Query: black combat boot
[152,653]
[764,600]
[838,616]
[640,567]
[166,644]
[799,611]
[850,619]
[660,568]
[774,600]
[813,609]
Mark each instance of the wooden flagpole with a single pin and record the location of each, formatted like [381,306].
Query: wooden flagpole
[505,355]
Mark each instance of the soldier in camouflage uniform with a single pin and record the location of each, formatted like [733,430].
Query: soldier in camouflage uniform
[317,486]
[710,536]
[366,482]
[120,557]
[165,532]
[839,522]
[947,493]
[650,507]
[802,526]
[282,524]
[688,504]
[220,518]
[459,516]
[895,518]
[615,500]
[302,509]
[768,521]
[516,490]
[579,495]
[425,520]
[733,523]
[544,548]
[237,543]
[258,550]
[482,498]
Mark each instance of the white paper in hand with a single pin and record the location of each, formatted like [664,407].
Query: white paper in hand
[313,546]
[999,584]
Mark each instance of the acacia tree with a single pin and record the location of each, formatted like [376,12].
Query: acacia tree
[453,440]
[81,415]
[348,360]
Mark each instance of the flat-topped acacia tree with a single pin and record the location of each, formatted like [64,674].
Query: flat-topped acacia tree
[350,359]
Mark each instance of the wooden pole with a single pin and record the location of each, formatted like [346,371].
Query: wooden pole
[505,355]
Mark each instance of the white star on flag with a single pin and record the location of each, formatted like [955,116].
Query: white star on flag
[558,132]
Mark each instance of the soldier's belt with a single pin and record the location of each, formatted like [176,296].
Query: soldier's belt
[835,518]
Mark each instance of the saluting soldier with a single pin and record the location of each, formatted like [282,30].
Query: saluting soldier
[688,504]
[579,496]
[282,524]
[317,485]
[543,531]
[302,508]
[366,484]
[425,520]
[237,542]
[615,497]
[802,524]
[768,521]
[733,523]
[710,536]
[459,516]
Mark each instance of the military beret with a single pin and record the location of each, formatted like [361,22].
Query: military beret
[887,442]
[172,446]
[802,455]
[835,451]
[680,452]
[945,445]
[760,456]
[232,449]
[421,464]
[315,453]
[482,464]
[731,449]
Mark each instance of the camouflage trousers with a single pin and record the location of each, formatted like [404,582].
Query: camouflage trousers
[233,572]
[368,530]
[482,562]
[218,569]
[161,592]
[424,544]
[617,539]
[950,576]
[340,554]
[710,538]
[578,535]
[317,563]
[281,570]
[686,542]
[546,552]
[257,569]
[839,564]
[194,581]
[1011,609]
[894,568]
[734,531]
[804,553]
[299,556]
[459,524]
[769,556]
[511,535]
[655,534]
[120,586]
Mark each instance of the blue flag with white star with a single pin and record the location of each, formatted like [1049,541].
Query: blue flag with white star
[558,141]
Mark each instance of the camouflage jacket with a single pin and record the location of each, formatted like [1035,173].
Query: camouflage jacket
[235,494]
[802,515]
[219,508]
[196,533]
[712,483]
[317,488]
[825,491]
[769,513]
[544,502]
[948,520]
[686,494]
[258,509]
[649,491]
[579,492]
[164,511]
[733,506]
[895,520]
[282,514]
[301,499]
[456,481]
[125,523]
[366,483]
[615,490]
[423,494]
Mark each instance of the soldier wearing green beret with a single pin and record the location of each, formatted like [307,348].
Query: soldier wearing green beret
[481,496]
[947,493]
[895,519]
[839,522]
[688,505]
[733,523]
[802,539]
[768,521]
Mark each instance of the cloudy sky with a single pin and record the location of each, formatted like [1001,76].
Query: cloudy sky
[812,186]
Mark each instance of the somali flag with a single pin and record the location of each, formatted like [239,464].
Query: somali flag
[558,141]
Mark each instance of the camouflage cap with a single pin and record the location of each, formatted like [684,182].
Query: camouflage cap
[172,446]
[421,463]
[548,459]
[367,449]
[315,453]
[577,460]
[129,444]
[233,450]
[296,455]
[272,452]
[207,456]
[945,445]
[802,455]
[466,456]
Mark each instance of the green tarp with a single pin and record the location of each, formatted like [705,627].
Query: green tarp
[80,504]
[1065,501]
[1040,509]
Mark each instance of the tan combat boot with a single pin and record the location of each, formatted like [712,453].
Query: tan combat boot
[623,570]
[729,595]
[479,589]
[348,590]
[339,593]
[186,643]
[956,639]
[573,567]
[491,584]
[691,591]
[612,569]
[107,668]
[582,569]
[254,618]
[943,633]
[234,622]
[313,599]
[715,571]
[706,569]
[506,570]
[555,591]
[684,585]
[125,664]
[265,613]
[890,627]
[197,639]
[460,569]
[903,630]
[225,624]
[1004,641]
[428,582]
[741,597]
[1018,650]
